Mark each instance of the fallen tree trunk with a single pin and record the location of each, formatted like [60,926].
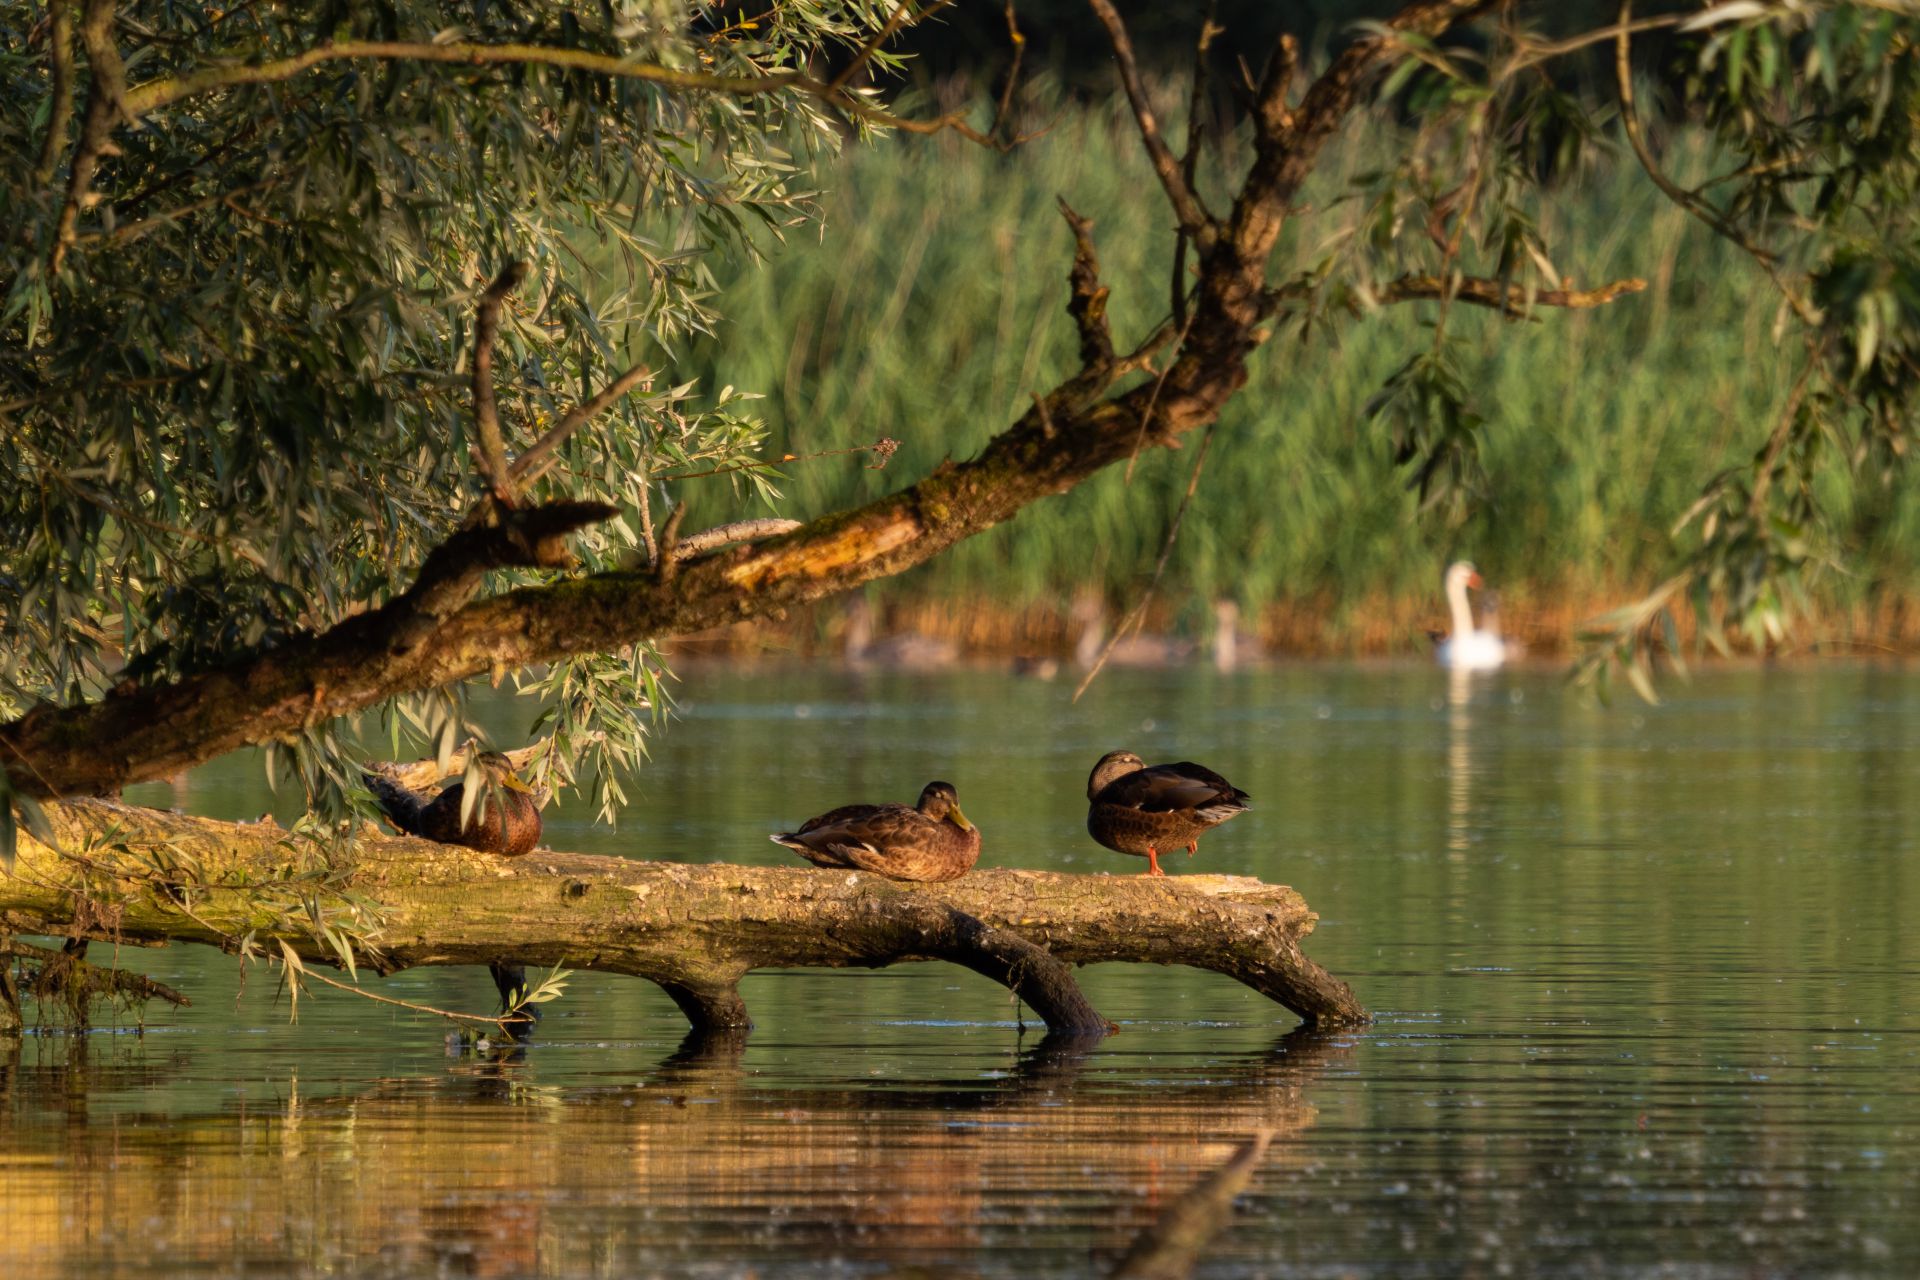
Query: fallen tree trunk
[140,875]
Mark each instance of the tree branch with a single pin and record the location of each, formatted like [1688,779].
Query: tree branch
[171,89]
[1692,203]
[489,444]
[901,18]
[532,537]
[1087,303]
[60,91]
[538,460]
[695,930]
[1194,218]
[1190,162]
[416,643]
[106,107]
[1502,295]
[737,531]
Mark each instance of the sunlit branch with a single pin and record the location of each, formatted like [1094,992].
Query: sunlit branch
[1194,218]
[489,444]
[60,112]
[154,94]
[1514,299]
[539,459]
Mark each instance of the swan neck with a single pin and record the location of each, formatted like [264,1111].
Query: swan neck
[1457,602]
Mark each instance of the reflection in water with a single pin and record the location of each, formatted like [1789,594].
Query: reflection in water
[1644,982]
[1459,759]
[484,1169]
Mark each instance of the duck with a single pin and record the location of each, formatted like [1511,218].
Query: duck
[929,841]
[506,821]
[1140,809]
[1467,649]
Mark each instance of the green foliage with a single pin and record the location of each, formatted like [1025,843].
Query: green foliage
[240,410]
[1561,452]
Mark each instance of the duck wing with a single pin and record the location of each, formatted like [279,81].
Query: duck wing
[853,831]
[1169,788]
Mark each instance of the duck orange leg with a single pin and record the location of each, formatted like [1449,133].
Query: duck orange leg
[1153,862]
[1193,847]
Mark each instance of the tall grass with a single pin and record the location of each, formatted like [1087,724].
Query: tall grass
[933,305]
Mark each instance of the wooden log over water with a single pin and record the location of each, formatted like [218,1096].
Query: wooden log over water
[142,875]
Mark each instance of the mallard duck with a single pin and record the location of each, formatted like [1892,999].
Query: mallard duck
[1136,809]
[506,821]
[931,841]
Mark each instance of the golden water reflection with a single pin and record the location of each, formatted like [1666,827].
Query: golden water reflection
[483,1171]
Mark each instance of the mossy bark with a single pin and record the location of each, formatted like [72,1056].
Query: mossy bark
[694,929]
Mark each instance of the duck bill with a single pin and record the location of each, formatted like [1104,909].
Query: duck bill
[958,818]
[512,783]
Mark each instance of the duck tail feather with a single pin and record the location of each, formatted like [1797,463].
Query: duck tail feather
[401,804]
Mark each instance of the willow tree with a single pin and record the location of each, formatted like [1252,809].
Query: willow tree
[313,405]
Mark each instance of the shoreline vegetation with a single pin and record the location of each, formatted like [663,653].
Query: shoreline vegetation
[937,305]
[1052,637]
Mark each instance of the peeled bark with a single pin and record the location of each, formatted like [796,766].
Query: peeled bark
[139,875]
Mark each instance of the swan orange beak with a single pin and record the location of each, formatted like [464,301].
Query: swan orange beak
[1473,580]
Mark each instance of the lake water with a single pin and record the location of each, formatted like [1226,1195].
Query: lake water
[1644,978]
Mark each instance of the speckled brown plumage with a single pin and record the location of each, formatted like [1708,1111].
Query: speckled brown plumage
[932,841]
[1134,808]
[506,822]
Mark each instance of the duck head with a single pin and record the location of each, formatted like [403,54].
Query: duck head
[1114,764]
[939,801]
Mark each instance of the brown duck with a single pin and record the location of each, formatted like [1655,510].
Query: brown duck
[506,821]
[1141,810]
[931,841]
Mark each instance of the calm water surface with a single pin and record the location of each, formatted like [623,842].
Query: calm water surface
[1644,978]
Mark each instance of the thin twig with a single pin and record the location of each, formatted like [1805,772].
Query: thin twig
[735,531]
[1777,440]
[1706,213]
[1139,611]
[1019,43]
[60,114]
[1146,417]
[1503,295]
[127,231]
[497,1020]
[644,490]
[1531,53]
[1193,215]
[883,446]
[106,107]
[901,19]
[1190,162]
[536,461]
[489,444]
[167,90]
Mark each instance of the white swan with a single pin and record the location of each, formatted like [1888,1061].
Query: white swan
[1467,649]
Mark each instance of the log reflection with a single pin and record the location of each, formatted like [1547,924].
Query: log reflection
[485,1171]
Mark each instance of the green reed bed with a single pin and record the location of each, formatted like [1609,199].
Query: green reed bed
[933,305]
